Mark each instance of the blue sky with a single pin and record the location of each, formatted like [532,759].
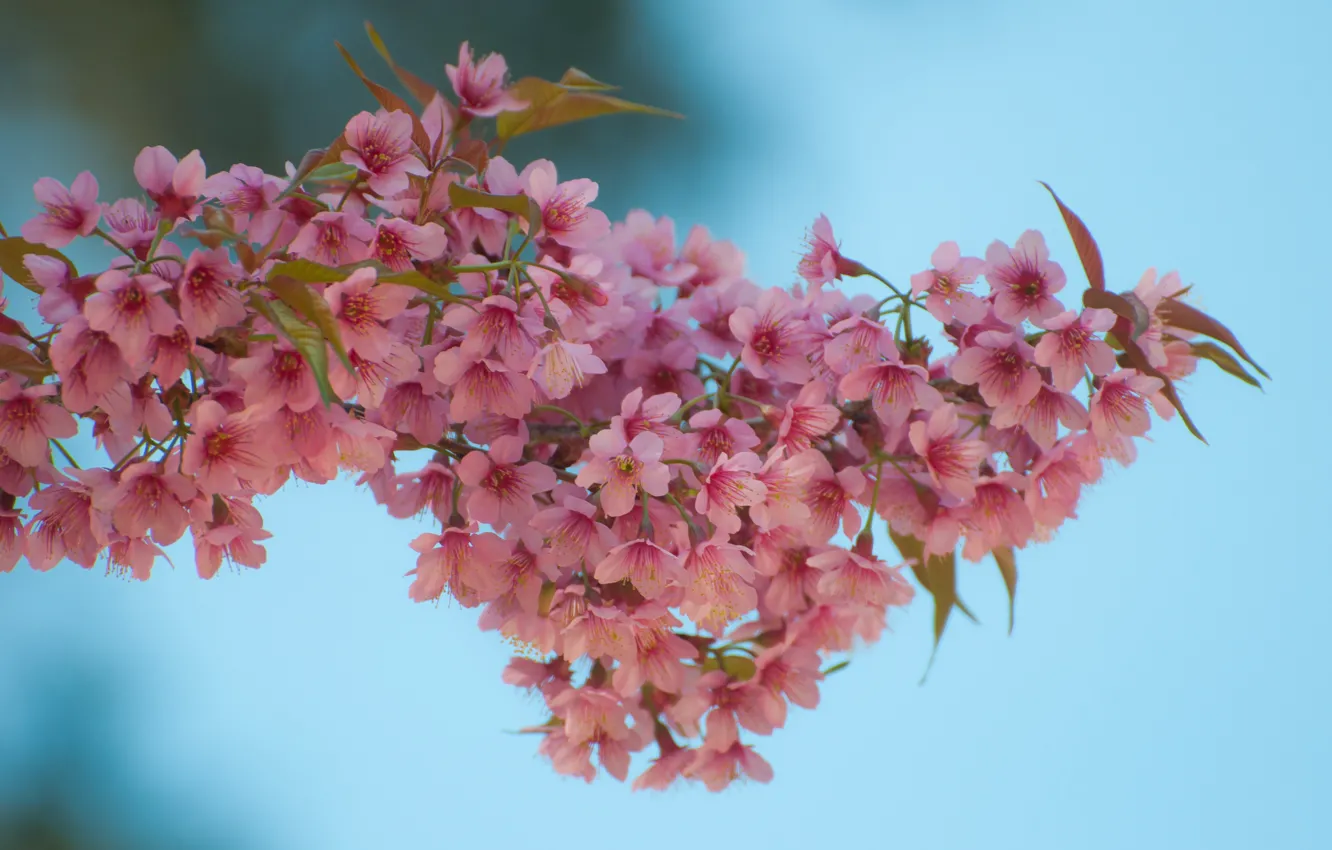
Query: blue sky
[1167,680]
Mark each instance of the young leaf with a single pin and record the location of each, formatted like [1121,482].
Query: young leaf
[1083,242]
[1224,359]
[1003,556]
[420,89]
[461,196]
[416,280]
[308,271]
[552,104]
[1138,359]
[20,362]
[298,295]
[739,667]
[12,252]
[389,100]
[840,665]
[576,79]
[1125,304]
[309,341]
[943,585]
[1177,314]
[912,551]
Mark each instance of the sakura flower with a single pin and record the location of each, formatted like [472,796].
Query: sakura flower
[647,566]
[638,415]
[482,386]
[69,213]
[334,239]
[829,495]
[775,340]
[62,295]
[277,375]
[947,283]
[648,247]
[856,578]
[823,261]
[430,488]
[716,262]
[249,195]
[397,243]
[175,187]
[893,388]
[782,504]
[224,447]
[1000,363]
[361,307]
[381,146]
[500,489]
[711,437]
[1023,279]
[857,341]
[573,532]
[656,653]
[953,461]
[237,545]
[807,418]
[480,85]
[622,468]
[1069,347]
[148,500]
[719,768]
[28,422]
[65,526]
[498,325]
[208,301]
[1119,405]
[129,311]
[561,367]
[665,769]
[718,583]
[13,538]
[730,484]
[132,225]
[1041,416]
[1056,481]
[458,560]
[566,214]
[90,365]
[997,516]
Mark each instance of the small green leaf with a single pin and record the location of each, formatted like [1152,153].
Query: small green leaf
[416,280]
[943,586]
[420,89]
[1224,359]
[546,596]
[739,667]
[462,197]
[309,341]
[840,665]
[1004,557]
[12,252]
[552,104]
[1176,313]
[1088,251]
[298,295]
[334,172]
[20,362]
[389,100]
[308,271]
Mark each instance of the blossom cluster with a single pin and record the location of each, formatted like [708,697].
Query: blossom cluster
[675,491]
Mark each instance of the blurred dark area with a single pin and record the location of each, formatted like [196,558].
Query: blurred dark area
[260,82]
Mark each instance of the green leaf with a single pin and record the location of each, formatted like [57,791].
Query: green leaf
[913,550]
[943,585]
[420,89]
[462,197]
[1224,359]
[840,665]
[389,100]
[739,667]
[544,599]
[1088,251]
[416,280]
[1126,304]
[20,362]
[309,341]
[1176,313]
[12,252]
[309,272]
[333,172]
[552,104]
[1004,557]
[298,295]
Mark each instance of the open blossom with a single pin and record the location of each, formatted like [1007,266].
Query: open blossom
[807,418]
[573,532]
[223,448]
[174,186]
[482,386]
[732,483]
[856,342]
[776,341]
[498,325]
[66,525]
[719,768]
[997,516]
[829,494]
[1041,416]
[948,297]
[621,468]
[562,367]
[277,375]
[362,307]
[148,500]
[1024,279]
[868,581]
[334,239]
[647,566]
[499,488]
[381,146]
[953,461]
[1001,365]
[823,261]
[480,85]
[1070,346]
[208,300]
[28,421]
[457,561]
[69,213]
[129,310]
[719,580]
[132,225]
[398,243]
[566,214]
[1119,405]
[893,388]
[713,434]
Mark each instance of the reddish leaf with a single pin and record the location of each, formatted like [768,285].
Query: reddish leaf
[1176,313]
[1003,556]
[1138,359]
[20,362]
[1125,304]
[1083,242]
[389,100]
[420,89]
[1224,359]
[576,79]
[551,104]
[13,250]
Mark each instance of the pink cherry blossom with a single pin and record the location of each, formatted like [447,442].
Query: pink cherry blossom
[713,434]
[223,448]
[893,388]
[69,213]
[732,483]
[361,307]
[129,311]
[455,561]
[149,500]
[175,187]
[823,261]
[499,488]
[647,566]
[334,239]
[1001,364]
[208,300]
[397,243]
[1041,416]
[953,461]
[1024,279]
[28,421]
[1070,346]
[1119,405]
[853,577]
[482,386]
[381,146]
[566,216]
[562,367]
[829,494]
[622,468]
[807,418]
[718,583]
[573,533]
[946,284]
[480,85]
[775,340]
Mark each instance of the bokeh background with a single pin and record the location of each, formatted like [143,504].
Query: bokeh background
[1168,680]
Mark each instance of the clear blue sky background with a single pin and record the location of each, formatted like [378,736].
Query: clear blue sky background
[1167,684]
